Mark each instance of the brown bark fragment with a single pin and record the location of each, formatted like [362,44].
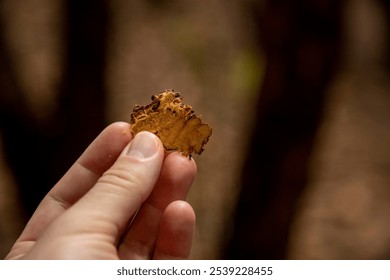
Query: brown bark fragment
[173,122]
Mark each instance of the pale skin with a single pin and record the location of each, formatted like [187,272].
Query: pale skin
[124,198]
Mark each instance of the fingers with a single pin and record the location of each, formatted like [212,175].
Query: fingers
[176,178]
[176,232]
[177,175]
[96,159]
[106,186]
[108,206]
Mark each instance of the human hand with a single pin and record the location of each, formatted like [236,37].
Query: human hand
[91,213]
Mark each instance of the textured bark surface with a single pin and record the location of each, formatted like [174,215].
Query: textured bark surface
[175,123]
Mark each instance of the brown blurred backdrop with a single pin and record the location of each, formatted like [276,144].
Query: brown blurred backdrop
[297,93]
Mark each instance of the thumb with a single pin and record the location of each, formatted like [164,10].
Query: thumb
[109,205]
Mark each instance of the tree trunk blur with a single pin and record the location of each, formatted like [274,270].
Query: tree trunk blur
[83,92]
[40,151]
[301,41]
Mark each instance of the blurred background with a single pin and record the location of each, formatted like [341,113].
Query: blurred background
[297,93]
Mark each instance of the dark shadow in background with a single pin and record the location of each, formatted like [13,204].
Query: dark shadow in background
[39,153]
[301,41]
[386,5]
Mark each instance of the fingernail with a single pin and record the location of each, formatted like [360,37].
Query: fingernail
[144,145]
